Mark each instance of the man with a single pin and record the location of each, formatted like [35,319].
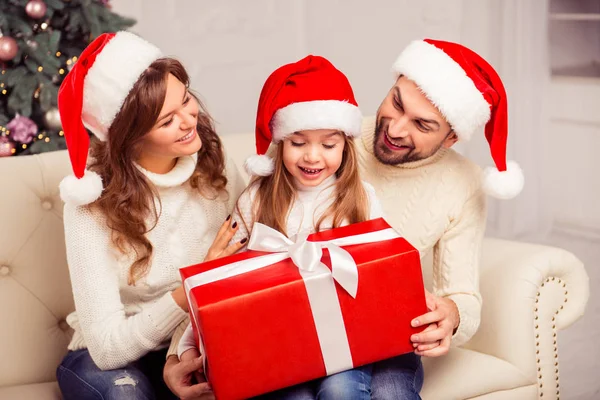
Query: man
[433,196]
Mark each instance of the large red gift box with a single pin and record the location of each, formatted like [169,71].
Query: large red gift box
[263,328]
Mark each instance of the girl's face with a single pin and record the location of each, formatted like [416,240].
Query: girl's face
[312,156]
[174,133]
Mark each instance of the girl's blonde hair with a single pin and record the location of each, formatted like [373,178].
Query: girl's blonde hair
[275,194]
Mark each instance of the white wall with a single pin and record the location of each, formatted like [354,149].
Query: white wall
[574,155]
[230,47]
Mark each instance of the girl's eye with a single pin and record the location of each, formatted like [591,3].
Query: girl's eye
[168,122]
[296,144]
[329,146]
[187,100]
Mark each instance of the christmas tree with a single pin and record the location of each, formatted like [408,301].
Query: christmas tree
[39,43]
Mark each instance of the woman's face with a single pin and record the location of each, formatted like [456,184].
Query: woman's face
[174,133]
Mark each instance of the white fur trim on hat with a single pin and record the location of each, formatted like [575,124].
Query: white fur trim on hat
[108,82]
[446,85]
[259,165]
[82,191]
[318,114]
[506,184]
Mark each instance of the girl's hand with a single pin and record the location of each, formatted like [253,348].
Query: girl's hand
[220,247]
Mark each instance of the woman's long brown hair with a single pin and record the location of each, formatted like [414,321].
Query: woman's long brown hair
[276,192]
[128,197]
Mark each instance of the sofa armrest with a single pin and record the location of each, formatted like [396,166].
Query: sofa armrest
[529,293]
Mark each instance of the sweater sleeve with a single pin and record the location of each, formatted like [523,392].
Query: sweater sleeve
[456,258]
[113,338]
[375,207]
[176,338]
[187,341]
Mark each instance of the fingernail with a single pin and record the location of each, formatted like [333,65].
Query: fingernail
[414,338]
[228,217]
[415,322]
[234,225]
[244,240]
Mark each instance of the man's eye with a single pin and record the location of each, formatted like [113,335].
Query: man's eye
[422,127]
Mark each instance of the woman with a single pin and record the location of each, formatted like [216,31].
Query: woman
[156,198]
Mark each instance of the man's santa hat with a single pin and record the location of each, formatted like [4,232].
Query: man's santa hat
[469,94]
[305,95]
[91,96]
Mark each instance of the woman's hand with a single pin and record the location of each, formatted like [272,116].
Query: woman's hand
[441,321]
[178,375]
[220,247]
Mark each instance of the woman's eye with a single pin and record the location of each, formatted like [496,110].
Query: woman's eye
[187,100]
[296,144]
[168,122]
[329,146]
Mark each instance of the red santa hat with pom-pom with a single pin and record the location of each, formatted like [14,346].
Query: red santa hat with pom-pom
[305,95]
[91,96]
[469,94]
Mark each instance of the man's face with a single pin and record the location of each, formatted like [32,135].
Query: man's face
[409,127]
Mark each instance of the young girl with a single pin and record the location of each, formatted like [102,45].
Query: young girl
[308,111]
[155,197]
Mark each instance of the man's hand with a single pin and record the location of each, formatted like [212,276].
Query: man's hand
[178,377]
[441,321]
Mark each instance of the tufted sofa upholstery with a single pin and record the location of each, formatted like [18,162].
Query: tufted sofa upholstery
[529,291]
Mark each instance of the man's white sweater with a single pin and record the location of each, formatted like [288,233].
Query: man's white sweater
[438,205]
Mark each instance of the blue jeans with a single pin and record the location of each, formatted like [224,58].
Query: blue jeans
[79,378]
[354,384]
[398,378]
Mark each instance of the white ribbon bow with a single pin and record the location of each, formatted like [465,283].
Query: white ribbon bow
[307,255]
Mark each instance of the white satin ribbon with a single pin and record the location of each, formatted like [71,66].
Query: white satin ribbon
[318,280]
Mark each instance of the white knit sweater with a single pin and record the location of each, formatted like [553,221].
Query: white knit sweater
[308,207]
[438,205]
[119,323]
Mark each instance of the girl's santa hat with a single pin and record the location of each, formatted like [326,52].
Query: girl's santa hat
[91,96]
[469,94]
[305,95]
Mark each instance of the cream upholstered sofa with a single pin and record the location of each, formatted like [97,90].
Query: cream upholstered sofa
[530,292]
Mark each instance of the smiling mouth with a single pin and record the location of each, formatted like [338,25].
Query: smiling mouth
[389,142]
[310,171]
[187,137]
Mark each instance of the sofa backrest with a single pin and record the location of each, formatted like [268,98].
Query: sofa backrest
[35,292]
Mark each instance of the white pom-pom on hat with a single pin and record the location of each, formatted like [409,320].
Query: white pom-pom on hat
[503,184]
[259,165]
[81,191]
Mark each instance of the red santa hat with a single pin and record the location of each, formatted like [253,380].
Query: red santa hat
[305,95]
[91,96]
[469,94]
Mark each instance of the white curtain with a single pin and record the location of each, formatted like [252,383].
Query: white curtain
[517,46]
